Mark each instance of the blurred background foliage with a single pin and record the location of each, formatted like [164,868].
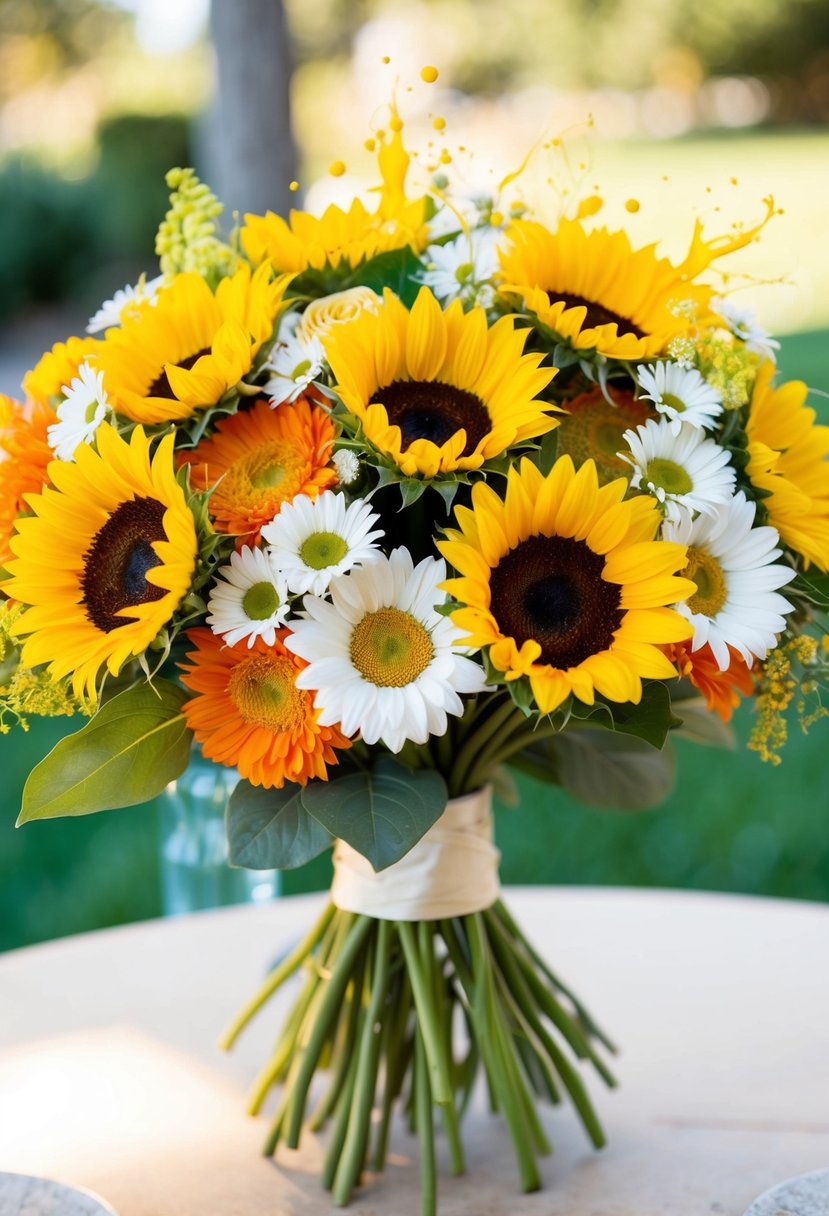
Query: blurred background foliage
[696,109]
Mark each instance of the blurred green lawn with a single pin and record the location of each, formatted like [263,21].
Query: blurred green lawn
[732,823]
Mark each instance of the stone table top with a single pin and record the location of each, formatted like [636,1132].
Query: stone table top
[110,1079]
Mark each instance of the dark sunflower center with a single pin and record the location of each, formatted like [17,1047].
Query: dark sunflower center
[430,409]
[160,387]
[117,562]
[550,589]
[597,314]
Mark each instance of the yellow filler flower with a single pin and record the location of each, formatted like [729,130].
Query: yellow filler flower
[598,293]
[191,347]
[789,459]
[105,559]
[563,582]
[438,391]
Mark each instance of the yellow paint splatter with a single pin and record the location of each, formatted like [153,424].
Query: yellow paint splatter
[428,74]
[632,205]
[396,123]
[386,59]
[336,168]
[370,145]
[293,186]
[589,206]
[439,123]
[496,219]
[445,157]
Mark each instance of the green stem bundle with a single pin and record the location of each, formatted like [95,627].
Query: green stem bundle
[379,1009]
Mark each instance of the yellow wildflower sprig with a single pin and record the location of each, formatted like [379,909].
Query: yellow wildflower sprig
[797,670]
[24,691]
[187,238]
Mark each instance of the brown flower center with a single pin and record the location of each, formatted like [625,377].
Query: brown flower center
[430,409]
[160,387]
[597,314]
[550,589]
[117,562]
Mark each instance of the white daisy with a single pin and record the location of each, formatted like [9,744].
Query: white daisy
[294,363]
[733,565]
[111,311]
[83,409]
[681,394]
[684,470]
[380,658]
[314,540]
[742,322]
[347,465]
[463,268]
[249,599]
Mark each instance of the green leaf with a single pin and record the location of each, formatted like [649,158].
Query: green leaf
[701,725]
[812,586]
[650,720]
[612,770]
[271,829]
[382,813]
[397,269]
[136,743]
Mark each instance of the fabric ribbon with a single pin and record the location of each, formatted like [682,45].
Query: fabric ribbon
[451,871]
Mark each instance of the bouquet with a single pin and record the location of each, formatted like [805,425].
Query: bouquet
[374,506]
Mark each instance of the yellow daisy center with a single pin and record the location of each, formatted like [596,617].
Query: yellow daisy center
[430,409]
[322,549]
[709,576]
[550,589]
[669,476]
[673,402]
[260,601]
[597,314]
[263,689]
[117,562]
[390,648]
[272,466]
[593,429]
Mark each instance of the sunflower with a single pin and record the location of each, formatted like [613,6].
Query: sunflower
[184,353]
[598,293]
[105,560]
[249,714]
[260,458]
[57,367]
[788,457]
[439,391]
[340,238]
[592,428]
[24,455]
[723,690]
[564,583]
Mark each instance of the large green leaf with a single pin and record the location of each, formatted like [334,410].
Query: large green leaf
[396,269]
[612,770]
[381,813]
[127,753]
[650,720]
[271,829]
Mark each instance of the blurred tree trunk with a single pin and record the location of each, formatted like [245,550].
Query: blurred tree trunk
[254,146]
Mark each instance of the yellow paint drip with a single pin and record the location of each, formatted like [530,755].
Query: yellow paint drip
[428,74]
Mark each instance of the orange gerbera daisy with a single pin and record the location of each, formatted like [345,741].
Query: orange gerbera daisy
[57,367]
[723,690]
[24,455]
[260,458]
[593,429]
[249,713]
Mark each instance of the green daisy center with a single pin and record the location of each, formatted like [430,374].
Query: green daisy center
[708,574]
[260,601]
[669,476]
[673,402]
[390,648]
[322,549]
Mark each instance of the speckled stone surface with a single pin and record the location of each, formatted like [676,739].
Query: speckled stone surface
[110,1078]
[807,1195]
[22,1195]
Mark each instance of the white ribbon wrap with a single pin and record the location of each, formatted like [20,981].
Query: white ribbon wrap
[451,871]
